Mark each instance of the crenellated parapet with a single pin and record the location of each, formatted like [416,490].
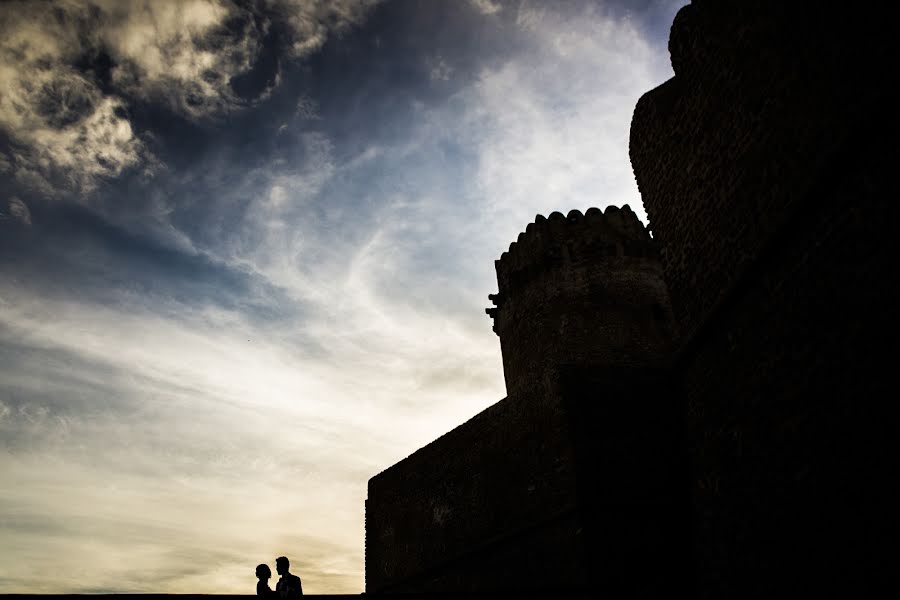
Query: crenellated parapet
[554,241]
[580,289]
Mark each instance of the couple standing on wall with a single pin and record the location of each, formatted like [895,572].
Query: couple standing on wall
[288,585]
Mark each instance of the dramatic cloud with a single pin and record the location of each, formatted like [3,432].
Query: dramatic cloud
[70,71]
[58,118]
[180,52]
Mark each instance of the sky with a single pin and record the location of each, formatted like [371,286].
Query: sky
[245,251]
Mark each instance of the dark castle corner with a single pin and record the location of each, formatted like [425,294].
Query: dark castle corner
[707,411]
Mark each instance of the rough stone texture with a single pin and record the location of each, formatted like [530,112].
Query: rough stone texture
[449,516]
[764,166]
[724,152]
[580,289]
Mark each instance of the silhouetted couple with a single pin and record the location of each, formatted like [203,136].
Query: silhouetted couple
[288,585]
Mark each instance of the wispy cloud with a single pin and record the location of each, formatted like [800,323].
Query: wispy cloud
[487,7]
[552,124]
[17,210]
[143,446]
[313,22]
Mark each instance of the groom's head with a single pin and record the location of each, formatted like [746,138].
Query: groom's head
[282,565]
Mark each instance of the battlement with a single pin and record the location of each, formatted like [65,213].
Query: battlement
[548,241]
[574,239]
[559,276]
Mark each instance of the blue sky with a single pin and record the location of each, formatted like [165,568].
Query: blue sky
[245,250]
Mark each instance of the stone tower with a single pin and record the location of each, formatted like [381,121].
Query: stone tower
[573,483]
[580,290]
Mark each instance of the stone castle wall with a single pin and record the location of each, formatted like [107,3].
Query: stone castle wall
[726,152]
[580,289]
[764,165]
[491,505]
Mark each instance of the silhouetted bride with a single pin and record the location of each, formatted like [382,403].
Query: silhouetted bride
[263,573]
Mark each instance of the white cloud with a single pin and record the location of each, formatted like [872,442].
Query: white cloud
[161,469]
[439,70]
[486,7]
[551,126]
[19,210]
[208,434]
[313,21]
[184,53]
[179,52]
[307,109]
[58,116]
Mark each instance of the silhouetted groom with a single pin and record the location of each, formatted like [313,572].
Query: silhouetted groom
[289,585]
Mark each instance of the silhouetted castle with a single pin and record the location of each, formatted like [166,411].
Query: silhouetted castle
[738,440]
